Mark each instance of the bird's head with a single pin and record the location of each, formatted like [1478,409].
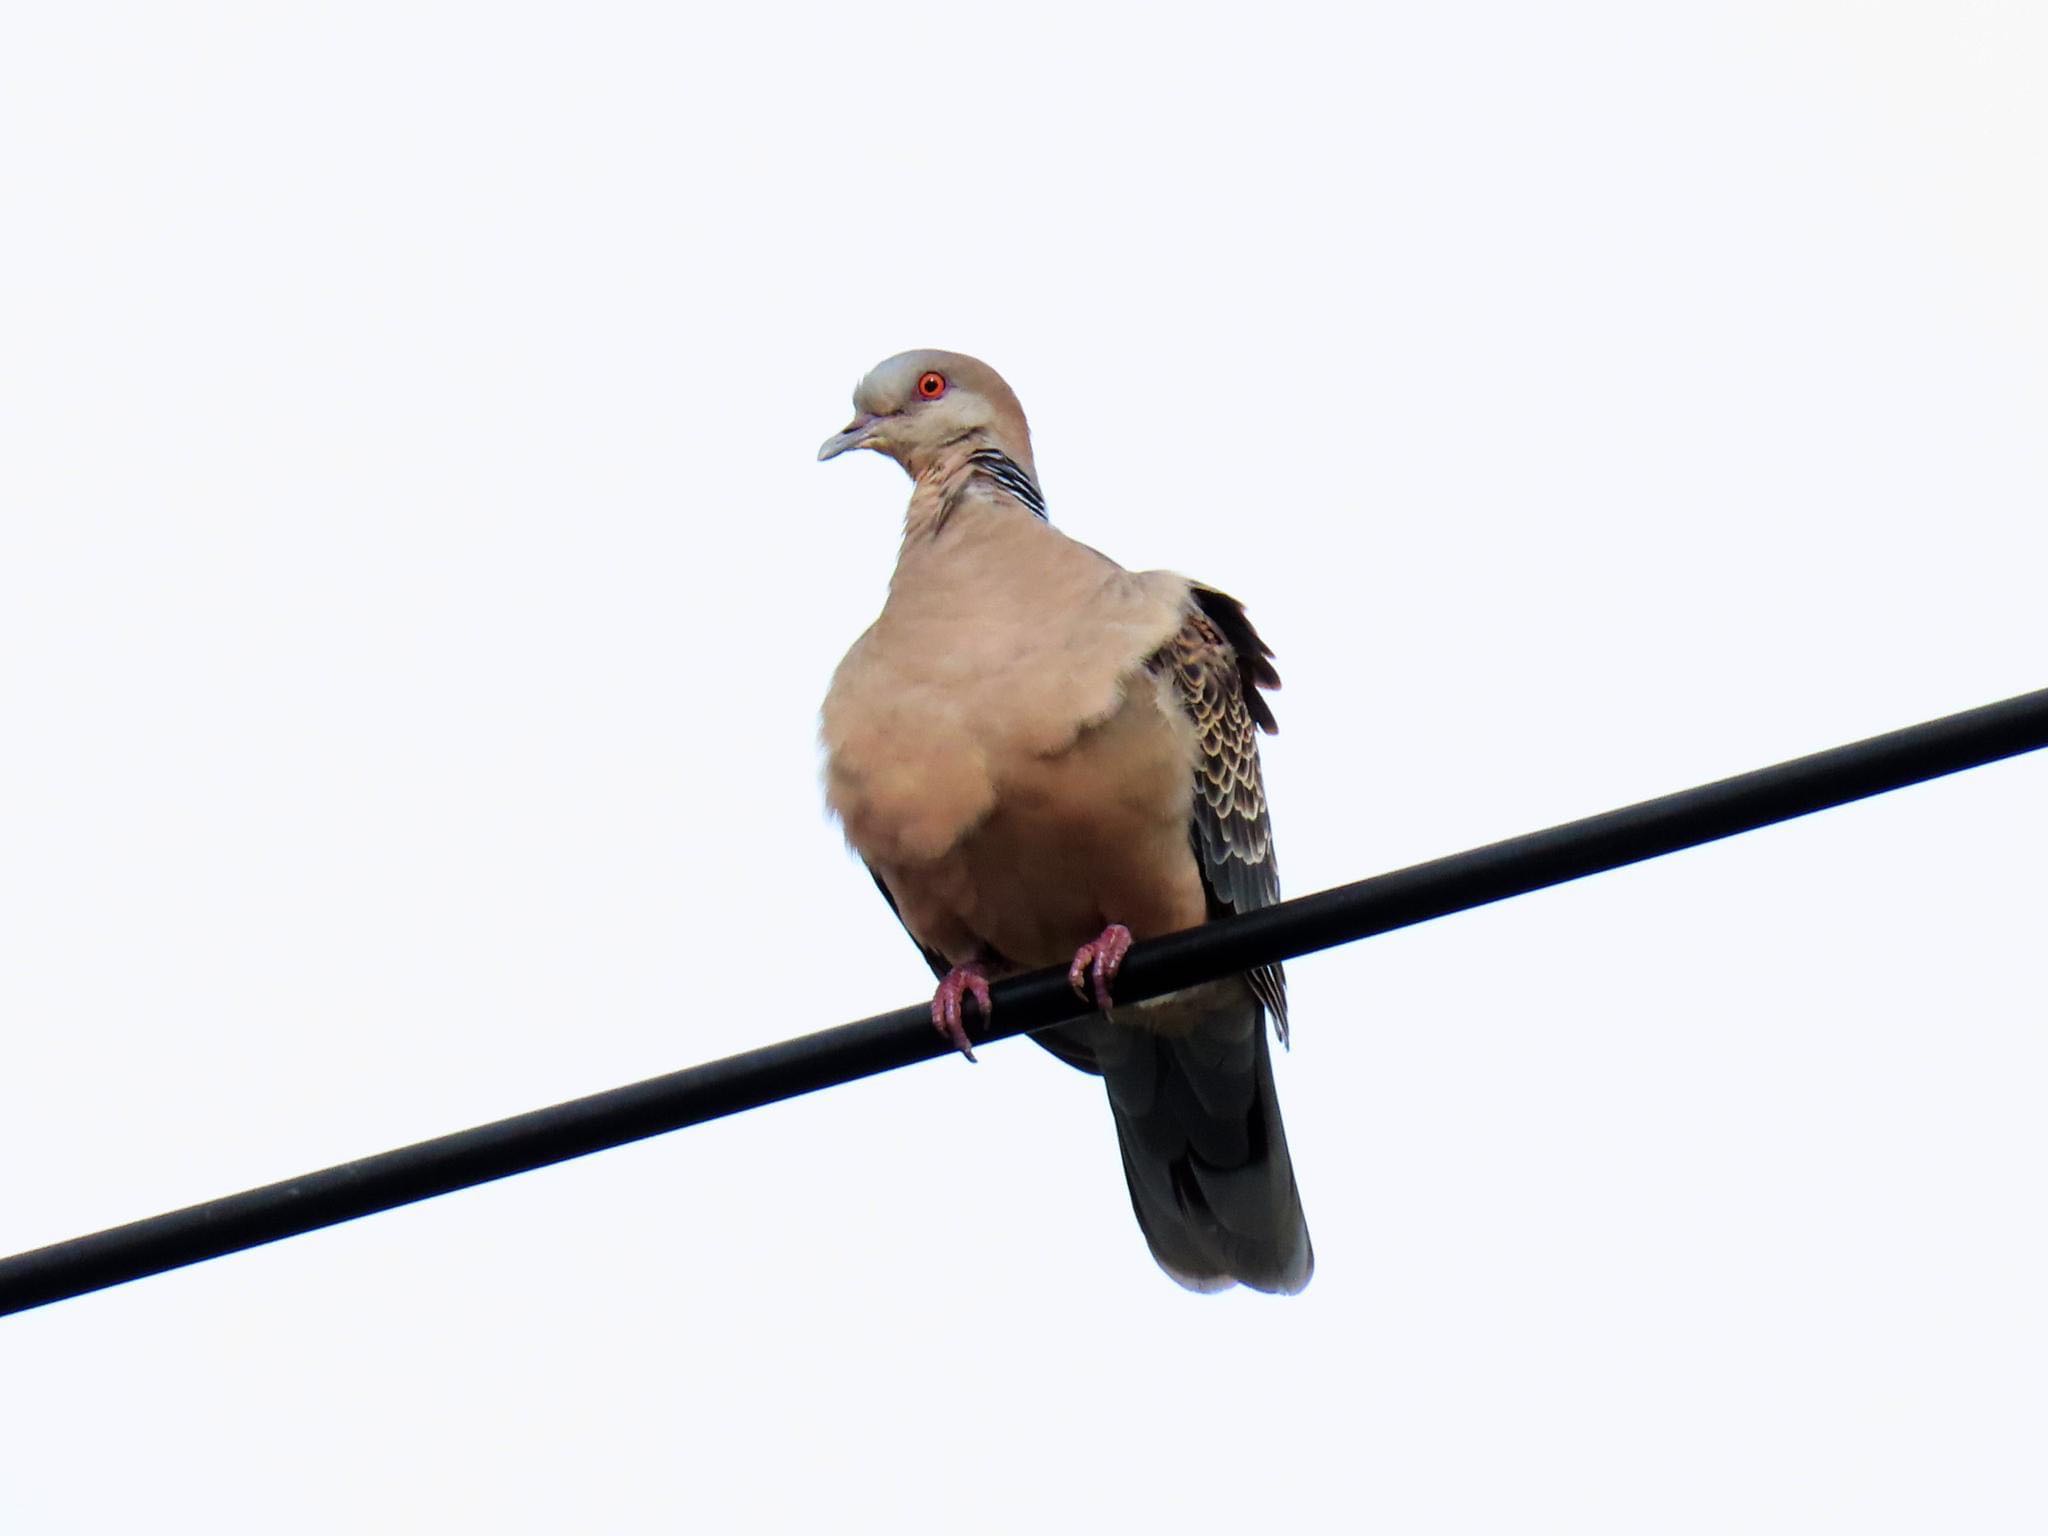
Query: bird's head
[917,406]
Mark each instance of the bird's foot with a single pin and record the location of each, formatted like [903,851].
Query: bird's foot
[961,982]
[1097,962]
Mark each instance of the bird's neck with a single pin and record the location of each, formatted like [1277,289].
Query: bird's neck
[972,470]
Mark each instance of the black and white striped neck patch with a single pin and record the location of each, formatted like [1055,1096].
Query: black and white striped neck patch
[1009,476]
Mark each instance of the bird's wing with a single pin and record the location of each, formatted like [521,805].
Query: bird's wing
[1219,665]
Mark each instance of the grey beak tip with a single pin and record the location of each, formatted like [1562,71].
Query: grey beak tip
[854,436]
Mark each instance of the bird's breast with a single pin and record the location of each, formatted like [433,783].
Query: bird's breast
[1069,842]
[1001,644]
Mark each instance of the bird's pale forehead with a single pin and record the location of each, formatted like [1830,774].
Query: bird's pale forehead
[890,382]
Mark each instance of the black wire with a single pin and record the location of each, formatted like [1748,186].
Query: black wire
[890,1040]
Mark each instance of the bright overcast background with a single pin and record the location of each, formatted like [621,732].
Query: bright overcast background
[416,593]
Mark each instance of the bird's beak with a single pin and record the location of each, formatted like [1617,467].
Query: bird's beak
[860,433]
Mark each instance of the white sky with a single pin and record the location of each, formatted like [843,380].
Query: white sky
[416,592]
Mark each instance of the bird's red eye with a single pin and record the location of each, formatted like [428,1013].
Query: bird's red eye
[931,386]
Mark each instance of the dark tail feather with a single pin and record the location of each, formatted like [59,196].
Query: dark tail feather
[1204,1150]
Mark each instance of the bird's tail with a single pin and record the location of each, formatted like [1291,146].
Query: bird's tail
[1204,1150]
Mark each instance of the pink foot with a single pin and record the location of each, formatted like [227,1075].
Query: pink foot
[1104,956]
[962,981]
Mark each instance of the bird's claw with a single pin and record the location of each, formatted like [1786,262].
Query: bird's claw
[1097,962]
[961,982]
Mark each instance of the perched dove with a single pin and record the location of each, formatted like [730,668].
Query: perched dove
[1042,757]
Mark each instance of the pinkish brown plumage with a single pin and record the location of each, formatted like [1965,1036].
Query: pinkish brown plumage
[1042,756]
